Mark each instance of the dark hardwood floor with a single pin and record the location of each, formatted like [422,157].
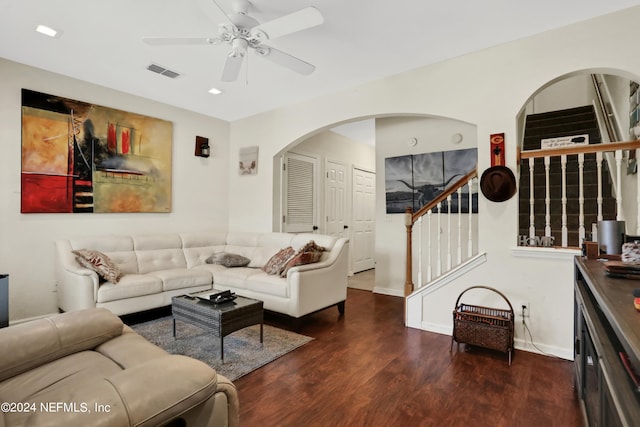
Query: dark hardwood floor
[366,369]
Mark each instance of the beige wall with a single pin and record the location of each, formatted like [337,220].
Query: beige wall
[488,89]
[200,189]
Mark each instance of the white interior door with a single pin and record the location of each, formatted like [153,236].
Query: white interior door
[299,201]
[336,199]
[363,233]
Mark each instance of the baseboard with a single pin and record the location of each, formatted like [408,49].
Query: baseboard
[388,291]
[518,343]
[545,350]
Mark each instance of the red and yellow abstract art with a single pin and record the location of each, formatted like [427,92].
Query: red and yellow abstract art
[81,157]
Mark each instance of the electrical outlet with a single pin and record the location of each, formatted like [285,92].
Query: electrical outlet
[525,310]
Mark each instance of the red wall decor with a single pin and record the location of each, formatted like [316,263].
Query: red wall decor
[497,149]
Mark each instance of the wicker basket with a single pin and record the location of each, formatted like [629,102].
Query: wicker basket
[483,326]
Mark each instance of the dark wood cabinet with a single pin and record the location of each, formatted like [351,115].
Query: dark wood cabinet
[607,329]
[4,300]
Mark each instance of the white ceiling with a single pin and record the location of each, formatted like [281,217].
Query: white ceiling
[363,131]
[359,41]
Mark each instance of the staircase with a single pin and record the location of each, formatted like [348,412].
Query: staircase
[569,122]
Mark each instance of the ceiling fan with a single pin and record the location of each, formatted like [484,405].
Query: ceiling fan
[243,32]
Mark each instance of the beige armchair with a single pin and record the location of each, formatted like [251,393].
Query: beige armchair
[86,368]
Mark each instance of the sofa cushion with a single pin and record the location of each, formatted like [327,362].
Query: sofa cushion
[182,278]
[234,277]
[160,259]
[277,262]
[268,245]
[269,284]
[98,262]
[40,341]
[130,286]
[59,374]
[200,246]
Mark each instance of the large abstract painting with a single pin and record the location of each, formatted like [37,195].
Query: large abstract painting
[81,157]
[416,179]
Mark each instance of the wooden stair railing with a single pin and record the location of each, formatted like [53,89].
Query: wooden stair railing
[411,218]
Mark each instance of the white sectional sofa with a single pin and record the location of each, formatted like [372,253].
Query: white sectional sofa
[160,266]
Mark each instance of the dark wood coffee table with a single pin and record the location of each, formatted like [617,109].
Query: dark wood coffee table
[221,319]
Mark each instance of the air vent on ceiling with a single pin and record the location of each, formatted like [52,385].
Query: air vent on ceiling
[161,70]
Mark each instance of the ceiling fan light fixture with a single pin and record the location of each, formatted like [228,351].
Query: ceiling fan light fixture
[239,47]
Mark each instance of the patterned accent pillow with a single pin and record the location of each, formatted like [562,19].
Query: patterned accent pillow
[228,260]
[308,254]
[276,263]
[100,263]
[312,246]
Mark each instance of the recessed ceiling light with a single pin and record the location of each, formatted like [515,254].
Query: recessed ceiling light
[215,91]
[48,31]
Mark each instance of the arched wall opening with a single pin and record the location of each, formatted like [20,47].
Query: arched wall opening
[396,135]
[597,89]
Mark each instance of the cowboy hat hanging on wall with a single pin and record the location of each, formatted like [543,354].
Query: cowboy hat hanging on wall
[498,183]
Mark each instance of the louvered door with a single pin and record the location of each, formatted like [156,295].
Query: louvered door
[300,205]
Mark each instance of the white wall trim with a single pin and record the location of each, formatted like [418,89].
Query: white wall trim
[413,313]
[518,343]
[548,253]
[388,291]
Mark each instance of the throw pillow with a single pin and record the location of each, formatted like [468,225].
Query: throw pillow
[228,259]
[100,263]
[277,262]
[308,254]
[312,246]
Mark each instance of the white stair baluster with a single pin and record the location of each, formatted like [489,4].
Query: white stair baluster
[638,194]
[581,230]
[429,241]
[439,231]
[547,197]
[599,199]
[470,247]
[532,200]
[619,215]
[420,261]
[459,193]
[565,234]
[449,232]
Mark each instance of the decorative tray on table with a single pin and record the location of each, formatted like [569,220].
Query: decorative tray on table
[216,297]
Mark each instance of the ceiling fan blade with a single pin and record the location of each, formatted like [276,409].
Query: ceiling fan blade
[291,62]
[287,24]
[167,41]
[232,67]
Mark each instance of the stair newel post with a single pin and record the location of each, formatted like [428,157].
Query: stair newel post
[408,222]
